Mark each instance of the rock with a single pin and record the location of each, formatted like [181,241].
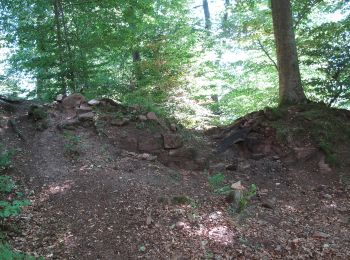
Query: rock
[269,203]
[148,157]
[172,141]
[129,143]
[59,98]
[320,235]
[257,156]
[83,109]
[180,225]
[232,166]
[149,144]
[120,122]
[142,118]
[152,116]
[86,116]
[216,168]
[237,186]
[94,102]
[73,101]
[173,127]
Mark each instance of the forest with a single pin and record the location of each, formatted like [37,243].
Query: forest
[174,129]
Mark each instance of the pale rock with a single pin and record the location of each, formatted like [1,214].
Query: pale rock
[73,101]
[86,116]
[152,116]
[59,98]
[321,235]
[94,102]
[142,118]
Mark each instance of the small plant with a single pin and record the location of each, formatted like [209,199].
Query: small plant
[71,147]
[5,158]
[6,253]
[216,180]
[246,197]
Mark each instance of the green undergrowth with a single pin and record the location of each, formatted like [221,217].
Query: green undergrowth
[11,203]
[327,128]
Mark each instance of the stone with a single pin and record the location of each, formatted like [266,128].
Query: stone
[148,157]
[180,225]
[149,144]
[320,235]
[152,116]
[59,98]
[120,122]
[83,109]
[237,186]
[94,102]
[142,118]
[269,203]
[216,168]
[72,101]
[173,127]
[86,116]
[232,166]
[172,141]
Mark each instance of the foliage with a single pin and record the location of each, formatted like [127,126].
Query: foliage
[216,180]
[72,143]
[6,253]
[247,195]
[5,158]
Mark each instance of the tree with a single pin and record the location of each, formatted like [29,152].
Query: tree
[290,88]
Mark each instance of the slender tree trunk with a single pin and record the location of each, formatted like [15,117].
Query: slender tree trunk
[60,48]
[71,70]
[290,88]
[227,4]
[206,15]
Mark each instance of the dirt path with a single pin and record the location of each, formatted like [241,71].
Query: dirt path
[107,203]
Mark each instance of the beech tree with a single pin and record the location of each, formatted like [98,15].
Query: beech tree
[290,87]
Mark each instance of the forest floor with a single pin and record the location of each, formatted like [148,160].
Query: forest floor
[92,199]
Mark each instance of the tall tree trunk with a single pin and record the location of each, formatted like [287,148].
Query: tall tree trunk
[290,88]
[60,47]
[71,71]
[227,4]
[206,15]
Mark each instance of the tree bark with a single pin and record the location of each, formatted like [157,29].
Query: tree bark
[206,15]
[59,46]
[290,88]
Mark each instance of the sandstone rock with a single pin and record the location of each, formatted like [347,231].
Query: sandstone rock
[172,141]
[70,124]
[59,98]
[180,225]
[173,127]
[73,101]
[152,116]
[120,122]
[149,144]
[148,157]
[86,116]
[94,102]
[216,168]
[142,118]
[83,109]
[320,235]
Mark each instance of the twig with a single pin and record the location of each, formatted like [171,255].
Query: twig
[267,54]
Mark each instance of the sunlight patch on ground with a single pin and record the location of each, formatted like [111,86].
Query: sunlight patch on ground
[54,189]
[213,227]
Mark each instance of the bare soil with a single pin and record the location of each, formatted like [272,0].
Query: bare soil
[103,201]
